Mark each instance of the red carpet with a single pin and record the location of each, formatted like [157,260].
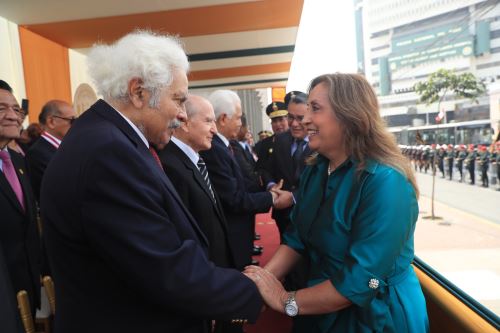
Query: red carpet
[269,320]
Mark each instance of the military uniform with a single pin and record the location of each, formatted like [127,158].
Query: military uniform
[462,154]
[484,163]
[470,163]
[264,148]
[449,157]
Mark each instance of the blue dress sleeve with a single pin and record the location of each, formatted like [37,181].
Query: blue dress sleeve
[382,225]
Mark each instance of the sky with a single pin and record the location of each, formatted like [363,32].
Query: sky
[326,42]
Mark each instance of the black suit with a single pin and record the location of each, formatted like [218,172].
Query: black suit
[125,253]
[9,314]
[247,165]
[19,236]
[197,198]
[279,166]
[37,159]
[239,205]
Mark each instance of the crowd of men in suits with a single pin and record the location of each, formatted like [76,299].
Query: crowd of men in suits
[147,201]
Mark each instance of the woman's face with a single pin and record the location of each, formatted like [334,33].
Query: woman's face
[323,128]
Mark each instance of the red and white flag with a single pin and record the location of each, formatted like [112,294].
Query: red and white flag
[440,116]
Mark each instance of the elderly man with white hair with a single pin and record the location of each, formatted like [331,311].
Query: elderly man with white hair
[125,253]
[239,204]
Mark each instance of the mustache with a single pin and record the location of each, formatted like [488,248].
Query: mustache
[176,123]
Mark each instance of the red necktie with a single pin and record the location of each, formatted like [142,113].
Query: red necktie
[155,155]
[10,174]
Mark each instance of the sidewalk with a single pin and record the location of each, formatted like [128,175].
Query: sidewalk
[462,247]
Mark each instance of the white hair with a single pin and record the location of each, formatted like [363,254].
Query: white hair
[224,102]
[140,54]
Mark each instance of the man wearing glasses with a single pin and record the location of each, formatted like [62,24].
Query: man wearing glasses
[56,119]
[289,151]
[19,239]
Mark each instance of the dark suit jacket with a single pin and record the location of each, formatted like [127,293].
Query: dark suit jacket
[247,165]
[197,198]
[280,165]
[19,233]
[125,253]
[10,321]
[37,159]
[239,205]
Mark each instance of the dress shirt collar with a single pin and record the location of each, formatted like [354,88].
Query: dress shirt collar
[135,128]
[1,162]
[193,156]
[224,139]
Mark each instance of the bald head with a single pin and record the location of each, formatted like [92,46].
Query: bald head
[57,117]
[199,129]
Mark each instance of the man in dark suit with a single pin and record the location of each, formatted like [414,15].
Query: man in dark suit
[245,159]
[182,164]
[9,319]
[18,228]
[55,118]
[126,254]
[188,172]
[289,151]
[239,204]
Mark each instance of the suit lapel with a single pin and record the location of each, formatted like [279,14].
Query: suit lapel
[24,181]
[107,111]
[7,189]
[171,188]
[194,169]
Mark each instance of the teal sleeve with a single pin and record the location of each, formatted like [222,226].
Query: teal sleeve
[381,227]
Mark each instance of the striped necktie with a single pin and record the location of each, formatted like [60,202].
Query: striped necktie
[204,174]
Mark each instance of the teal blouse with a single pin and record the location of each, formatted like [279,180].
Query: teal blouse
[357,229]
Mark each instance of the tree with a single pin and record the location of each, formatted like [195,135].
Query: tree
[438,85]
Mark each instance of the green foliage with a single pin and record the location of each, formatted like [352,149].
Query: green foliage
[444,81]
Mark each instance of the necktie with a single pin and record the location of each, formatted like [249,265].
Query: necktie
[204,174]
[155,156]
[10,174]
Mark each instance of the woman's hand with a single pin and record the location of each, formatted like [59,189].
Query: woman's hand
[270,288]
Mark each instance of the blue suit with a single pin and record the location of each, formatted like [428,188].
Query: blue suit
[357,229]
[125,253]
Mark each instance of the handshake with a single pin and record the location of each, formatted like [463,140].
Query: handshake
[281,199]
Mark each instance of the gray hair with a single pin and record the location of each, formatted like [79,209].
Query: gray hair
[224,101]
[140,54]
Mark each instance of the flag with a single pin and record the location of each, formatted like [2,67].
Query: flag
[440,116]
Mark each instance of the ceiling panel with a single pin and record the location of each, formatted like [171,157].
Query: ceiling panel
[228,41]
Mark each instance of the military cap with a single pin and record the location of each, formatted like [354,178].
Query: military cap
[276,109]
[295,96]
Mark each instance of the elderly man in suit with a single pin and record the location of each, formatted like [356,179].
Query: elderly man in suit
[126,254]
[55,118]
[19,237]
[188,172]
[239,204]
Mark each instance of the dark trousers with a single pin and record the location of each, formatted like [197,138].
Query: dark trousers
[472,175]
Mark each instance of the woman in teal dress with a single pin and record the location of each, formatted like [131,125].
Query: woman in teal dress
[354,218]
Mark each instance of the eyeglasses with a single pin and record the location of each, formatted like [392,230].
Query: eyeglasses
[17,110]
[291,118]
[71,120]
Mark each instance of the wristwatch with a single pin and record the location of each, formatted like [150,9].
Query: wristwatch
[291,307]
